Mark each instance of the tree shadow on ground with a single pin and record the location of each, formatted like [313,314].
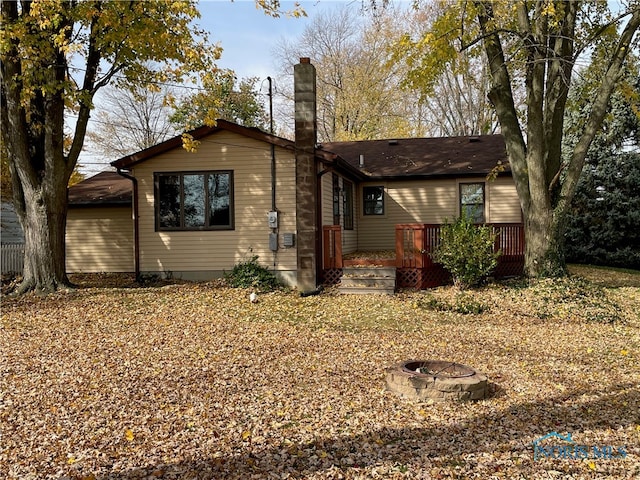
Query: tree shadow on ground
[490,432]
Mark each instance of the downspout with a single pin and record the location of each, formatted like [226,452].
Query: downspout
[136,229]
[273,177]
[274,231]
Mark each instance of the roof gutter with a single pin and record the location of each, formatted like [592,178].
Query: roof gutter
[136,228]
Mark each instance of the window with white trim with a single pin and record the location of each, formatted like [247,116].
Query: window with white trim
[472,201]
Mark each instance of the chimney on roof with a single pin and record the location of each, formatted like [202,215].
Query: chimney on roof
[304,79]
[361,160]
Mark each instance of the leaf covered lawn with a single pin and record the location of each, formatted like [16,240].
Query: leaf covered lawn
[192,381]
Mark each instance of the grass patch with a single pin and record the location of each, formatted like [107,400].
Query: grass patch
[606,276]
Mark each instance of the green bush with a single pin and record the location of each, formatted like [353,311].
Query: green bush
[250,274]
[466,250]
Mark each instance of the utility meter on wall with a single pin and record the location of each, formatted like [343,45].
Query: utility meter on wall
[272,218]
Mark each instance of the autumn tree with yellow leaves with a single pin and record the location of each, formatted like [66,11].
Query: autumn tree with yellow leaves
[55,57]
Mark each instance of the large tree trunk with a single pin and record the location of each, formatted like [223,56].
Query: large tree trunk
[544,247]
[43,221]
[33,133]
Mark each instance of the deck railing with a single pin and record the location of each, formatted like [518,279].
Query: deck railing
[12,258]
[415,242]
[331,254]
[414,266]
[332,246]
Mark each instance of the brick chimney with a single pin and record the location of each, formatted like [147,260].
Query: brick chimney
[304,77]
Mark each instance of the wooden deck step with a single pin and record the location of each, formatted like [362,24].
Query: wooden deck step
[368,280]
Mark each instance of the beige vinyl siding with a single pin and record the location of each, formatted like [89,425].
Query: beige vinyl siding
[99,239]
[405,202]
[326,195]
[430,201]
[350,239]
[502,203]
[216,251]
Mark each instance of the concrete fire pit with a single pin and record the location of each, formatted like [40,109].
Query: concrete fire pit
[436,380]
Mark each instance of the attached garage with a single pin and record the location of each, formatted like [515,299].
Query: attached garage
[100,230]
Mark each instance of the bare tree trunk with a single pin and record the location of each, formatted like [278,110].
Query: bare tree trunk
[44,221]
[544,247]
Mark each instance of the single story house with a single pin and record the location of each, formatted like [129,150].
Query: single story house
[294,204]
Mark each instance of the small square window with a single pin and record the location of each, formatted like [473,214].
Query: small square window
[373,200]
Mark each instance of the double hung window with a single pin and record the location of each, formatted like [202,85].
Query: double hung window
[472,201]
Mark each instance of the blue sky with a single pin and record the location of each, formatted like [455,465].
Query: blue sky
[248,36]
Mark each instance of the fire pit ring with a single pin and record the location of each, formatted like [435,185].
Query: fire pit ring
[436,381]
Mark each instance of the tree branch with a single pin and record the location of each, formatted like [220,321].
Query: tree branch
[501,95]
[598,112]
[87,91]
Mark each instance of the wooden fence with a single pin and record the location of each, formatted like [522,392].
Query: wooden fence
[12,258]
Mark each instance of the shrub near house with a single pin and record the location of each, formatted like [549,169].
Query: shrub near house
[467,251]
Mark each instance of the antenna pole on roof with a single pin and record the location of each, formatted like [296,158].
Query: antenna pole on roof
[270,106]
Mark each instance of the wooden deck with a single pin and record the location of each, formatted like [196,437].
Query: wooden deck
[414,245]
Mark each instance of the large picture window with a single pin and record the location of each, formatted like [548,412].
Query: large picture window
[194,201]
[472,201]
[373,200]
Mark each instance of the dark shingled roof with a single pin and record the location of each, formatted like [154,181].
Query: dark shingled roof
[416,158]
[424,157]
[105,188]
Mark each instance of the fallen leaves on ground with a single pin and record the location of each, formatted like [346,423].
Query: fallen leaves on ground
[193,381]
